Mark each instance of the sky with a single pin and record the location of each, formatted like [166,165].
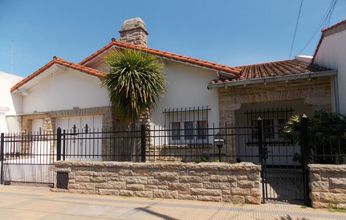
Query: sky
[231,32]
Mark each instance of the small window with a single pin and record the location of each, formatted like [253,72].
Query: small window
[188,130]
[175,130]
[202,127]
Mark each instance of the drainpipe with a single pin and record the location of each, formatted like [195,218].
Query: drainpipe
[336,94]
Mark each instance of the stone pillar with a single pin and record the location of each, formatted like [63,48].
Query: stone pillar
[227,120]
[133,31]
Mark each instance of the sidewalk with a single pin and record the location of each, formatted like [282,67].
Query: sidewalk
[19,202]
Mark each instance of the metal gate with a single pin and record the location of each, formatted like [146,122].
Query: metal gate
[284,165]
[28,158]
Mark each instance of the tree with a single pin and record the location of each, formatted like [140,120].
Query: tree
[326,136]
[134,83]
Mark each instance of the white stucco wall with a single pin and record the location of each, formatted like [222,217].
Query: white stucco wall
[332,54]
[6,100]
[65,89]
[187,87]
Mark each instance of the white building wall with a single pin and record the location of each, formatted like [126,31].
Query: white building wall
[332,54]
[187,87]
[65,89]
[6,100]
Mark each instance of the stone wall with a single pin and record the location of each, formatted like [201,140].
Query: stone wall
[236,183]
[315,92]
[328,185]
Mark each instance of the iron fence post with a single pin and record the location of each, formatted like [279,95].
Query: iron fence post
[304,149]
[58,144]
[143,143]
[2,158]
[261,154]
[63,145]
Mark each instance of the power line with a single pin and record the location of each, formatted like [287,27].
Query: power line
[324,22]
[296,27]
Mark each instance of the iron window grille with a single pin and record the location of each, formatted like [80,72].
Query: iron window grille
[187,124]
[273,122]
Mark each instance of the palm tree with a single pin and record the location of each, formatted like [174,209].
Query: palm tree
[134,84]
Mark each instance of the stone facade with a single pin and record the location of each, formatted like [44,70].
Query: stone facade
[315,92]
[236,183]
[328,186]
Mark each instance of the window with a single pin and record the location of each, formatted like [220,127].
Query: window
[175,130]
[202,129]
[273,122]
[188,130]
[187,125]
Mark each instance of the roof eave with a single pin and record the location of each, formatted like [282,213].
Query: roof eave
[272,79]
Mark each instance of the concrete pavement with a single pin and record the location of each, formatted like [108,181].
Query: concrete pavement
[22,202]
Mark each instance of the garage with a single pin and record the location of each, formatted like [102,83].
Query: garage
[92,122]
[82,143]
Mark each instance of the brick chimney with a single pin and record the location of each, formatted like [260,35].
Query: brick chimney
[134,31]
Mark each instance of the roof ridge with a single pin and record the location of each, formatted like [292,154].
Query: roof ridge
[57,60]
[212,65]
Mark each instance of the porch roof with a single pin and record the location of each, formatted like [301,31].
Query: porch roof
[278,70]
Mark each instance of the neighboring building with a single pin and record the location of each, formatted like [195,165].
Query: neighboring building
[331,53]
[7,102]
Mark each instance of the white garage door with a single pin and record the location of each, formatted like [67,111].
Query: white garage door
[82,146]
[67,123]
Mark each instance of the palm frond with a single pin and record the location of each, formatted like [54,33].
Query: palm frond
[134,83]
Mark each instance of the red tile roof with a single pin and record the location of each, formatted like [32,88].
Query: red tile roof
[62,62]
[272,69]
[227,69]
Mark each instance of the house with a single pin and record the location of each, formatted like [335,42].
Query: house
[331,53]
[7,102]
[199,94]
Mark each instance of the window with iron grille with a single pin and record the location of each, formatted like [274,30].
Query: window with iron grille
[187,124]
[273,122]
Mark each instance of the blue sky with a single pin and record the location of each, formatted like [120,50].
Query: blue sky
[231,32]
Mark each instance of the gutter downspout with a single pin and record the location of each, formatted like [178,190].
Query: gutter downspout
[336,94]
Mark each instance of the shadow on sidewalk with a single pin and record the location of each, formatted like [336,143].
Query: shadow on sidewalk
[156,214]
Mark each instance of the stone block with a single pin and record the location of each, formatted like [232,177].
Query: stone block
[126,193]
[209,198]
[98,179]
[86,186]
[207,192]
[190,179]
[187,197]
[108,192]
[165,194]
[246,184]
[339,183]
[166,175]
[135,187]
[216,185]
[253,199]
[179,186]
[218,178]
[319,186]
[147,194]
[240,191]
[136,180]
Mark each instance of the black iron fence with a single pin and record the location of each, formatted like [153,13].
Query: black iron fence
[30,157]
[228,144]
